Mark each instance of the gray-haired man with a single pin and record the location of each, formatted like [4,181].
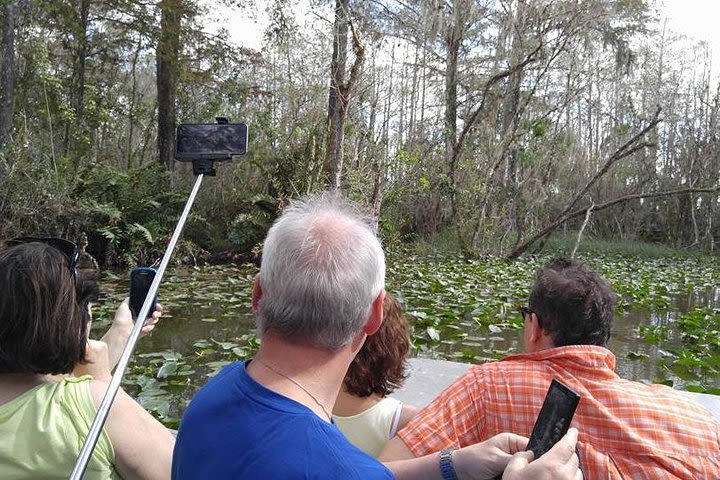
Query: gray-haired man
[318,295]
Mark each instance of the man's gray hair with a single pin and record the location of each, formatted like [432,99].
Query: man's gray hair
[322,267]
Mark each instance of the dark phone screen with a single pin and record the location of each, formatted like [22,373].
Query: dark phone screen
[217,141]
[554,419]
[140,280]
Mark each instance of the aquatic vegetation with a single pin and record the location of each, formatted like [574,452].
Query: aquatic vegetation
[463,309]
[667,322]
[697,358]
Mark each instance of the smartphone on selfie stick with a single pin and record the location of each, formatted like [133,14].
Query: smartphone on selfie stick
[202,144]
[140,280]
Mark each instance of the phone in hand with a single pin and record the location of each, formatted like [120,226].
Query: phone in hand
[554,419]
[140,280]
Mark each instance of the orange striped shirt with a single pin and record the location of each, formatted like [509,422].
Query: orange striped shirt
[628,430]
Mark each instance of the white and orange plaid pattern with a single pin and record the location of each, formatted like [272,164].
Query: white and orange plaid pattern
[628,430]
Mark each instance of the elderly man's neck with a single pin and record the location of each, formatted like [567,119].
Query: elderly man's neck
[307,374]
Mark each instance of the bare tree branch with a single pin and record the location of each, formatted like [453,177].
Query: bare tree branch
[626,198]
[359,50]
[628,148]
[582,229]
[470,122]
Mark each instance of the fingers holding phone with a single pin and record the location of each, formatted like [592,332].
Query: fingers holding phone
[117,335]
[565,457]
[124,322]
[152,320]
[559,463]
[141,279]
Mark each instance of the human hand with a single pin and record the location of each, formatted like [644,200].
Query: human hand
[96,363]
[118,333]
[487,459]
[559,463]
[151,321]
[123,321]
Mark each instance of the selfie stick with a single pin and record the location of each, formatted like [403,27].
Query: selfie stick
[200,168]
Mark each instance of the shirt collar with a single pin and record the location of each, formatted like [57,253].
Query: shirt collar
[580,356]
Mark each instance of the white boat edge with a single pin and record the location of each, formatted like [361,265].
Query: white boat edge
[428,377]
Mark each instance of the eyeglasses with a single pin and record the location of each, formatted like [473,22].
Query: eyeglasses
[66,247]
[526,312]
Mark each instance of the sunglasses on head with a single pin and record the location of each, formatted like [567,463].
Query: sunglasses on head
[66,247]
[526,312]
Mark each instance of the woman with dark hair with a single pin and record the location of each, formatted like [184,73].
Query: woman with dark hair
[363,411]
[53,378]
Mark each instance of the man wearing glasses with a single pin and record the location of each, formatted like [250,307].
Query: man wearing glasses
[627,429]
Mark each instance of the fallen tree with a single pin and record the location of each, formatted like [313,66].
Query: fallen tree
[630,147]
[519,250]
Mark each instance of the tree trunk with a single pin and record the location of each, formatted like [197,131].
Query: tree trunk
[375,157]
[7,70]
[340,92]
[510,115]
[131,107]
[453,39]
[81,56]
[336,105]
[167,64]
[413,97]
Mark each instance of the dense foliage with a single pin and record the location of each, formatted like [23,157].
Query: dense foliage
[488,122]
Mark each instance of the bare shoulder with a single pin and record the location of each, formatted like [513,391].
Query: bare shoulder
[97,391]
[406,414]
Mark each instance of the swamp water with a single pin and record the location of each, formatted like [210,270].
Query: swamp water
[667,326]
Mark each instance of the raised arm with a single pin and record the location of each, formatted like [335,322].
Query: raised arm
[117,335]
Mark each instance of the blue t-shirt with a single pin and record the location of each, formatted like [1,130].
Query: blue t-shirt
[236,428]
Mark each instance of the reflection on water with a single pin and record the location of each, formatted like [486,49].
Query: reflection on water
[625,340]
[214,303]
[208,303]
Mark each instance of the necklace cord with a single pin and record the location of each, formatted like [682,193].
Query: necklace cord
[277,372]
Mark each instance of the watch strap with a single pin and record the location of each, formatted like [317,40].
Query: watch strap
[447,471]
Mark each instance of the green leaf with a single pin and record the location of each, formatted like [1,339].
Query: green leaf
[137,228]
[167,369]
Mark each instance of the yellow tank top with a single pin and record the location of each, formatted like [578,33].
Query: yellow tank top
[371,429]
[42,432]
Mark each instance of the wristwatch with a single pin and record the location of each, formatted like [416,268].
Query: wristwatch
[447,471]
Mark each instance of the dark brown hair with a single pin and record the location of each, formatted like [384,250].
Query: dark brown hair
[381,364]
[43,322]
[574,304]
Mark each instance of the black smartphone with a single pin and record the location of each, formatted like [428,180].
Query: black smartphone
[210,141]
[140,280]
[554,419]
